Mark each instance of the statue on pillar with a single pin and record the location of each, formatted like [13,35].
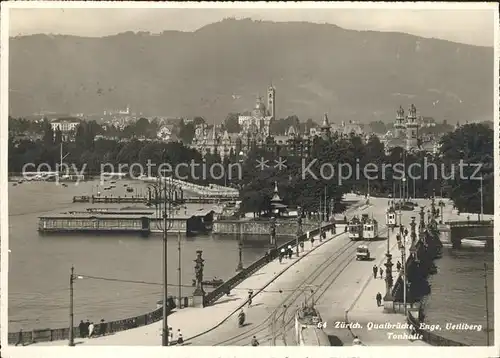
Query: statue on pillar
[273,232]
[299,221]
[413,232]
[198,269]
[422,220]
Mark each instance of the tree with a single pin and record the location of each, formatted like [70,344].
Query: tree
[231,123]
[48,133]
[58,137]
[186,132]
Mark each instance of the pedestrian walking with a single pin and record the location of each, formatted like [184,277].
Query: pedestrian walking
[375,271]
[81,328]
[379,299]
[312,240]
[255,342]
[381,270]
[250,293]
[180,340]
[20,338]
[170,335]
[91,329]
[398,266]
[87,327]
[302,245]
[102,327]
[290,252]
[282,254]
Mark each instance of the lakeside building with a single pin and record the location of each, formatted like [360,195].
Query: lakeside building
[67,126]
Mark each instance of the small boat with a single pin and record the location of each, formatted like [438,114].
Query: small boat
[113,182]
[15,184]
[64,185]
[125,185]
[20,182]
[129,189]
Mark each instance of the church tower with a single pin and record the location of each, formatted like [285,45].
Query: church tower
[412,129]
[399,126]
[271,97]
[325,128]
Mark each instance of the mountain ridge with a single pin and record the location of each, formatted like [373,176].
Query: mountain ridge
[316,68]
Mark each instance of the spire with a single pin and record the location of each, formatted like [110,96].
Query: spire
[326,124]
[276,197]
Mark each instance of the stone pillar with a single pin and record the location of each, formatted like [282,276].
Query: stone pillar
[413,233]
[299,230]
[422,220]
[272,236]
[199,293]
[388,298]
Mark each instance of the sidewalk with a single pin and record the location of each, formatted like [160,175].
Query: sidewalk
[365,311]
[195,321]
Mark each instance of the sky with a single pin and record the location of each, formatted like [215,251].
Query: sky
[468,26]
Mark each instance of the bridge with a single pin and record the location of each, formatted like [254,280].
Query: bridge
[455,231]
[144,200]
[470,223]
[212,190]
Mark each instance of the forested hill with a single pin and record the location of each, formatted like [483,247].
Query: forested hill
[220,68]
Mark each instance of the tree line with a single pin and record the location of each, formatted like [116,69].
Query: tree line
[472,144]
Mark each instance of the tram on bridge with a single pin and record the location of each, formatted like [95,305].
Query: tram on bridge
[355,229]
[365,228]
[390,218]
[370,229]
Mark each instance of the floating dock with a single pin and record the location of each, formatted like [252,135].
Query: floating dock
[122,221]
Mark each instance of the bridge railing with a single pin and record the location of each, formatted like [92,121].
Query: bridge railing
[430,337]
[221,290]
[458,223]
[58,334]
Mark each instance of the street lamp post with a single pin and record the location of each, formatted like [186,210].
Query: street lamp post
[272,236]
[403,258]
[72,278]
[299,230]
[166,195]
[240,250]
[71,313]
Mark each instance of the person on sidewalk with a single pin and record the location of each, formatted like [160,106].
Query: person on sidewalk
[87,327]
[91,329]
[381,270]
[375,271]
[250,294]
[102,328]
[180,340]
[312,240]
[302,245]
[379,299]
[323,235]
[20,338]
[170,335]
[398,266]
[81,328]
[290,251]
[282,254]
[255,342]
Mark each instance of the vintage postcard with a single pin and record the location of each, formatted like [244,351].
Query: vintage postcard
[314,179]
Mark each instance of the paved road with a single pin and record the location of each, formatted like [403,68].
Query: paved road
[333,264]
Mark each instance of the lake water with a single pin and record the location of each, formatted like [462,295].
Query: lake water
[39,266]
[458,294]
